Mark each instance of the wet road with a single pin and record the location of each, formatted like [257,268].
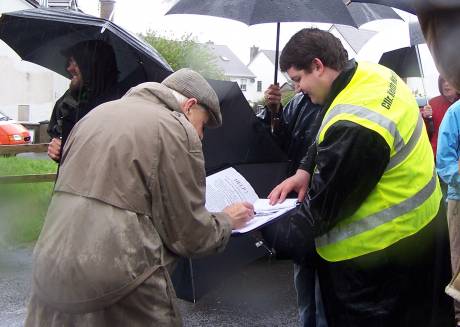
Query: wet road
[259,295]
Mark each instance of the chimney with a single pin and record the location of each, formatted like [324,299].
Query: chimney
[107,9]
[253,52]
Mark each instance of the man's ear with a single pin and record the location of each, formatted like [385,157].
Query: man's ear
[317,65]
[188,104]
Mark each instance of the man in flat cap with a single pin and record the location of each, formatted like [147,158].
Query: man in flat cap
[129,200]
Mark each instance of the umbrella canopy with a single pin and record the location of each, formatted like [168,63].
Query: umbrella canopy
[406,61]
[366,12]
[403,62]
[406,5]
[253,12]
[40,35]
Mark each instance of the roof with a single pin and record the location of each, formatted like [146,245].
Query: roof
[356,38]
[52,3]
[230,64]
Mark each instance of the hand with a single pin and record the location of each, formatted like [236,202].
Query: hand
[240,213]
[298,183]
[54,149]
[272,98]
[427,111]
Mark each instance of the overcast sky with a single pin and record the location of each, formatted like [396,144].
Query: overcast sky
[138,16]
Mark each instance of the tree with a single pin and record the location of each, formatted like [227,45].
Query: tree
[185,52]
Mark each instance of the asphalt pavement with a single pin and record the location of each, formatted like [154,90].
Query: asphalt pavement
[261,294]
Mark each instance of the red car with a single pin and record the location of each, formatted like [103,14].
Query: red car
[12,133]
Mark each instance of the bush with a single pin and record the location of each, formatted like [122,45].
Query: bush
[23,206]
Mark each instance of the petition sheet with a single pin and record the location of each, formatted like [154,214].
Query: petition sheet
[229,186]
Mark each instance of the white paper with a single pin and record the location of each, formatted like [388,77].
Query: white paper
[228,186]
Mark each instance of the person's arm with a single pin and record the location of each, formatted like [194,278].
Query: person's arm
[447,155]
[349,163]
[180,217]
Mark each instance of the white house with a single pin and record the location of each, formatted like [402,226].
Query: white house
[233,68]
[262,63]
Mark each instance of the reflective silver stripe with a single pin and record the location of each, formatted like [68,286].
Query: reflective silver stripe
[340,233]
[404,152]
[373,116]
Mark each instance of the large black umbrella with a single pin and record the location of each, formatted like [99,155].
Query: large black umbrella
[253,153]
[39,35]
[253,12]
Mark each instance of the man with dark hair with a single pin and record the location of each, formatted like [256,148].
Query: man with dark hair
[93,71]
[373,197]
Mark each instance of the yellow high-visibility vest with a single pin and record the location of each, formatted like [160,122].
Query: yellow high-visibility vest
[408,195]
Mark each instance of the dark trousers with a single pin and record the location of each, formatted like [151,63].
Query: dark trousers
[402,285]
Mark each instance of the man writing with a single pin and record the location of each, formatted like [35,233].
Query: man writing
[374,195]
[129,200]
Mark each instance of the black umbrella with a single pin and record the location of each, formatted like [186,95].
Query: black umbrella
[254,154]
[403,61]
[406,5]
[253,12]
[39,35]
[406,61]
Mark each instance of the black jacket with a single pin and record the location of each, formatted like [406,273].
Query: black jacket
[295,132]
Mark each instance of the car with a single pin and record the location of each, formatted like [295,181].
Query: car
[11,132]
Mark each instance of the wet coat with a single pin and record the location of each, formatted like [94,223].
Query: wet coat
[295,131]
[128,202]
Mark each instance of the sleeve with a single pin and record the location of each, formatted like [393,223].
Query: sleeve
[448,146]
[184,224]
[349,163]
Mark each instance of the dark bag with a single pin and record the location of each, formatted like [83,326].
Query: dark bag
[290,237]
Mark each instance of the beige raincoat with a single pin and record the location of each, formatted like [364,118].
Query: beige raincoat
[128,201]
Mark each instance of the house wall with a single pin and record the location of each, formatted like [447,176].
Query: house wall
[250,85]
[264,69]
[24,83]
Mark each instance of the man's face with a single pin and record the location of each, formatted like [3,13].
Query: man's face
[309,83]
[76,81]
[198,116]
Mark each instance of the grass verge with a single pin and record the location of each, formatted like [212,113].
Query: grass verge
[23,206]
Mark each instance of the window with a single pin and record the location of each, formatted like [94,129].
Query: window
[243,84]
[259,86]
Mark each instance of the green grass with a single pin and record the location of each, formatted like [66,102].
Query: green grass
[23,206]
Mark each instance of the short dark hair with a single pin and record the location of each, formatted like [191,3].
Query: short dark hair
[311,43]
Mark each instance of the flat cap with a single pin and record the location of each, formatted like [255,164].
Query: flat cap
[192,85]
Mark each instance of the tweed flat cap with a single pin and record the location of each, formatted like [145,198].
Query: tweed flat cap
[192,85]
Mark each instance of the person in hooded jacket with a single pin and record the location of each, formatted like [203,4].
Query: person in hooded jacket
[292,127]
[93,71]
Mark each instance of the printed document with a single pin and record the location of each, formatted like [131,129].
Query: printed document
[229,186]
